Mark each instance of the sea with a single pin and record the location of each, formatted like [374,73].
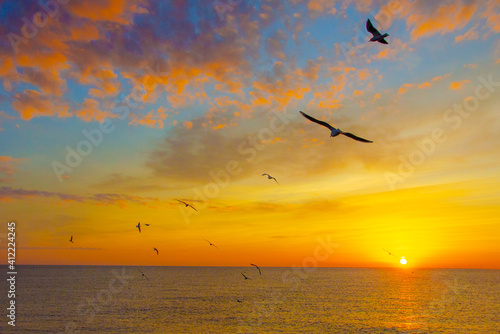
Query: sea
[115,299]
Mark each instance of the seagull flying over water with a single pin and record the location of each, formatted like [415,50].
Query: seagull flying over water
[139,227]
[245,276]
[211,244]
[271,178]
[143,274]
[71,240]
[256,267]
[156,250]
[335,131]
[377,36]
[146,224]
[186,204]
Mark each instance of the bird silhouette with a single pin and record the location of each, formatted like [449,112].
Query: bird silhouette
[187,205]
[139,227]
[256,267]
[335,131]
[271,178]
[377,36]
[71,240]
[211,244]
[390,253]
[143,274]
[156,250]
[245,276]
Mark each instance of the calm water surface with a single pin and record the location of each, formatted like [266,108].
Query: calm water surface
[88,299]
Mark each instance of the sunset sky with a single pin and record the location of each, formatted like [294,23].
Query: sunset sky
[194,100]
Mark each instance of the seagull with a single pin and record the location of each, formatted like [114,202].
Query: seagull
[335,131]
[377,37]
[71,240]
[245,276]
[139,227]
[146,224]
[187,204]
[239,301]
[156,251]
[143,274]
[256,267]
[390,253]
[211,244]
[271,178]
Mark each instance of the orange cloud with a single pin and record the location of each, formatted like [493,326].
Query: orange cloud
[446,18]
[318,7]
[31,103]
[153,119]
[458,84]
[187,124]
[404,88]
[424,85]
[440,77]
[471,34]
[470,65]
[364,74]
[90,111]
[118,11]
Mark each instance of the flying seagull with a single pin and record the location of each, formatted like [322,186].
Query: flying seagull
[335,131]
[271,178]
[211,244]
[146,224]
[245,276]
[71,240]
[390,253]
[256,267]
[139,227]
[143,274]
[187,205]
[377,37]
[156,251]
[239,301]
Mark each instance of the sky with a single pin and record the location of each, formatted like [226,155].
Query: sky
[111,111]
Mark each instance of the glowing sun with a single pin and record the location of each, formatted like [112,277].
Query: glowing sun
[403,260]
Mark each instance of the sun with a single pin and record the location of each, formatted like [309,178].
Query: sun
[403,260]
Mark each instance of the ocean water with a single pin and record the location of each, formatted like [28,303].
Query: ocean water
[102,299]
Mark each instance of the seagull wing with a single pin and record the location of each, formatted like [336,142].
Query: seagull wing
[265,174]
[193,207]
[383,41]
[181,202]
[371,28]
[256,266]
[276,180]
[350,135]
[312,119]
